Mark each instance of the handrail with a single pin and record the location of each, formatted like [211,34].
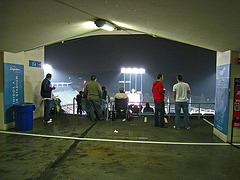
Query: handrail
[74,105]
[167,105]
[74,99]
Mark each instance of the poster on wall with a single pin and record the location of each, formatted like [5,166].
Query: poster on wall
[13,89]
[236,106]
[222,98]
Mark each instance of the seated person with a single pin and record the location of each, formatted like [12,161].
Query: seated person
[136,108]
[148,108]
[121,94]
[121,102]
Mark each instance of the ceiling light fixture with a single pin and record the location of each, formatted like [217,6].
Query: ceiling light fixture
[103,24]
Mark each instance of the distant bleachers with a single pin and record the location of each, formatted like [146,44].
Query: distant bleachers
[65,94]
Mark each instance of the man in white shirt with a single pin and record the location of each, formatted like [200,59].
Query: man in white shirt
[180,91]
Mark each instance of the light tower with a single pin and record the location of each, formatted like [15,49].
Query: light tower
[130,77]
[133,73]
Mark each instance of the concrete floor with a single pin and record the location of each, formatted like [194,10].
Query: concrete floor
[142,152]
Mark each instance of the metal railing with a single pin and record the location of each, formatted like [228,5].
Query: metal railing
[195,109]
[74,99]
[107,107]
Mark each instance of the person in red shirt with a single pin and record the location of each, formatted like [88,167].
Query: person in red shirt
[158,96]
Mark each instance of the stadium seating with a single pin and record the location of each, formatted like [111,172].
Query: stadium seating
[65,94]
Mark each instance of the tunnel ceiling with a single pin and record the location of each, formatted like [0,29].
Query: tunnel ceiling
[28,24]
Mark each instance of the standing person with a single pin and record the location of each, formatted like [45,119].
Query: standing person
[85,103]
[93,91]
[104,101]
[105,94]
[79,102]
[46,93]
[158,96]
[180,91]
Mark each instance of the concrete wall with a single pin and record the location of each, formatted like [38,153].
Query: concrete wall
[1,90]
[32,80]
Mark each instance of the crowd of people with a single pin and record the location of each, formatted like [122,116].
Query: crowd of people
[98,97]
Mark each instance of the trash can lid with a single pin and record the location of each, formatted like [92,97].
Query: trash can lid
[24,107]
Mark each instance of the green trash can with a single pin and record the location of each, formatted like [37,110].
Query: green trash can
[24,116]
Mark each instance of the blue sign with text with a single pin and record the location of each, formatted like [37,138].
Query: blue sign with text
[222,98]
[13,89]
[34,63]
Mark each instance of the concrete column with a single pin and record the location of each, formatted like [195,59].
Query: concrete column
[24,88]
[226,71]
[1,90]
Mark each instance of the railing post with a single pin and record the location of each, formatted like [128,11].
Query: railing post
[73,105]
[139,111]
[199,111]
[107,110]
[169,110]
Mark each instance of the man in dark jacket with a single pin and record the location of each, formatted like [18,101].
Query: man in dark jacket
[46,93]
[158,96]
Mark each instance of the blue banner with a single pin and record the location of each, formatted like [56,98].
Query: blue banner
[34,63]
[13,89]
[222,98]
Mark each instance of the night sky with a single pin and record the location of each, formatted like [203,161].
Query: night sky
[105,55]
